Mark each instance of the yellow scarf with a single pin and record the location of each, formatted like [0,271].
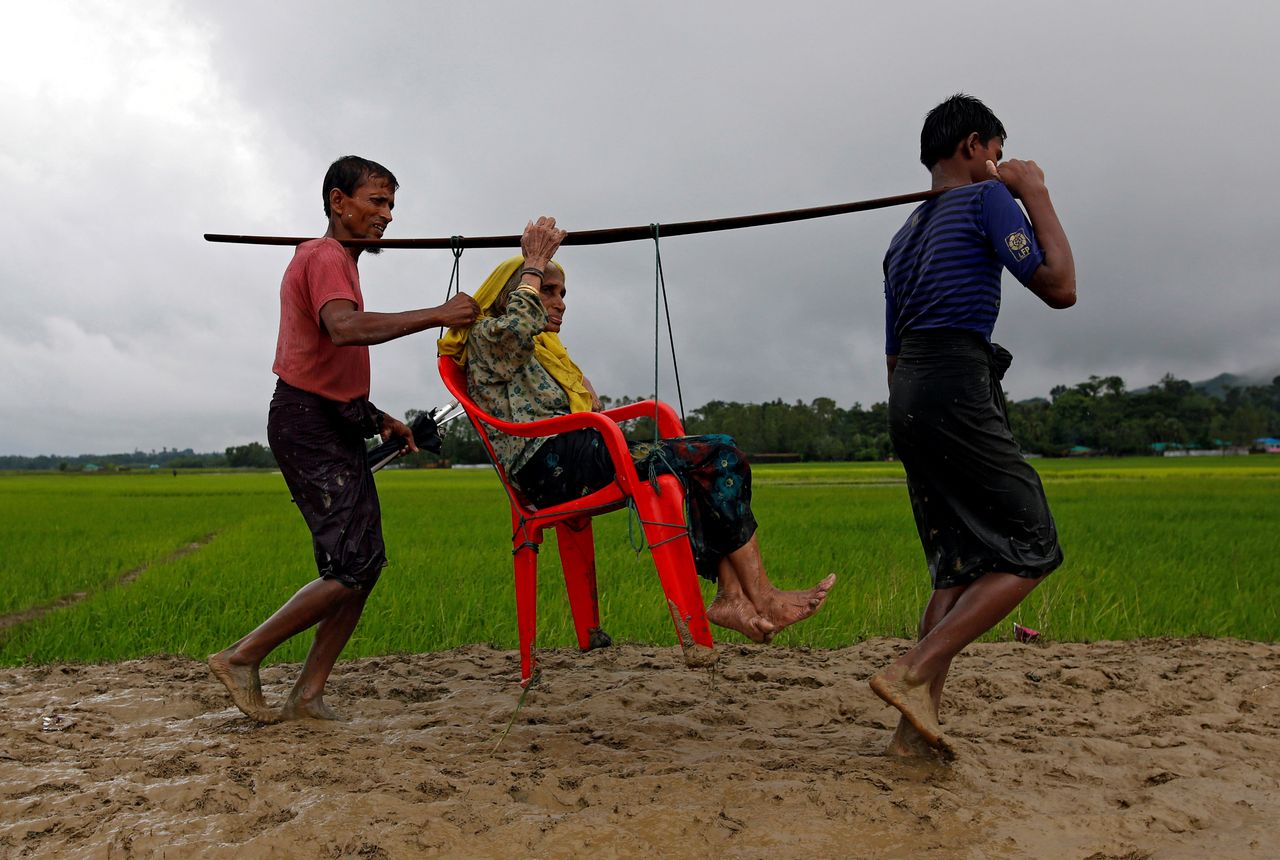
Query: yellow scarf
[547,348]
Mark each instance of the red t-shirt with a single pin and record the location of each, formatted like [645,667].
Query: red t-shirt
[306,358]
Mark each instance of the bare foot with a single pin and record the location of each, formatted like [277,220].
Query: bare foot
[915,704]
[737,613]
[297,708]
[244,685]
[907,742]
[784,608]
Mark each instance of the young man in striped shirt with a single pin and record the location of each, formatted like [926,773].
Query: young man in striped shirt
[987,532]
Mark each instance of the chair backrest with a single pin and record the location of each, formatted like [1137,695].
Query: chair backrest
[454,376]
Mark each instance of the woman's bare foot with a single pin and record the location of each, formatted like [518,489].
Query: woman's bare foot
[916,705]
[737,613]
[784,608]
[296,708]
[244,685]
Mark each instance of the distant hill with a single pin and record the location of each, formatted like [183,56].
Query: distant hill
[1218,385]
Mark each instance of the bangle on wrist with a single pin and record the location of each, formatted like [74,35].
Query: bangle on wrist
[533,270]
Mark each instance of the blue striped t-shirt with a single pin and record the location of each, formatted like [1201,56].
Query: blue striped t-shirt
[942,269]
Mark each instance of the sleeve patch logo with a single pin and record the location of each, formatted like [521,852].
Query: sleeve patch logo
[1019,244]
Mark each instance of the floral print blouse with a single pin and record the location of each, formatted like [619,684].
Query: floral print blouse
[507,381]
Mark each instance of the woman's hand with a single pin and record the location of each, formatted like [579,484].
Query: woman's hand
[540,242]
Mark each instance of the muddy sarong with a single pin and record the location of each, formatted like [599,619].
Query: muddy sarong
[979,506]
[319,447]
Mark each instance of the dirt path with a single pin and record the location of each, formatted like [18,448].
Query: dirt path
[1150,749]
[13,619]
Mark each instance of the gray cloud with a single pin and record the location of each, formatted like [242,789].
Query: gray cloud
[134,128]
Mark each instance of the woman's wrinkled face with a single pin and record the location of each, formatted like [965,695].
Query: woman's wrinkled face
[552,292]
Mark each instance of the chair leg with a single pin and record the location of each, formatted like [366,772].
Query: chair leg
[673,557]
[526,564]
[578,559]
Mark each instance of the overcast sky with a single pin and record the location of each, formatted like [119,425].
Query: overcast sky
[132,128]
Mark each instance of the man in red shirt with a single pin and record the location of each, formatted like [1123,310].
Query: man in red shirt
[319,419]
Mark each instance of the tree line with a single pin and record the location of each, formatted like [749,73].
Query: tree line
[252,455]
[1100,415]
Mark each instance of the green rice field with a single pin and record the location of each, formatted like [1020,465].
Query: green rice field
[187,564]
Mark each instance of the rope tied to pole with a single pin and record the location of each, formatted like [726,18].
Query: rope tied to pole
[455,276]
[661,285]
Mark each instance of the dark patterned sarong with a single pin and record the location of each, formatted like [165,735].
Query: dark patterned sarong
[713,471]
[979,506]
[319,446]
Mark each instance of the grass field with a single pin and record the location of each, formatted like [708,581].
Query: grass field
[1155,547]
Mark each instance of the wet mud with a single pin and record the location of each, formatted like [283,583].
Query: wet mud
[1149,749]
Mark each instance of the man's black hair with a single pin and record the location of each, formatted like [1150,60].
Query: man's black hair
[350,172]
[951,122]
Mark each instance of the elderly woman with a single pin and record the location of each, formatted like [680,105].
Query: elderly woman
[518,370]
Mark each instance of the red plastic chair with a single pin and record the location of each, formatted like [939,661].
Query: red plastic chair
[661,513]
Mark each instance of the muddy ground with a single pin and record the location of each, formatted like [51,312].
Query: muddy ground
[1147,749]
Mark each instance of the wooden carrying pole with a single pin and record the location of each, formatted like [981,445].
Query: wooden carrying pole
[606,236]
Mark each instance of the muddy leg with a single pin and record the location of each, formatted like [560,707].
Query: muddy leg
[906,740]
[236,667]
[306,701]
[909,683]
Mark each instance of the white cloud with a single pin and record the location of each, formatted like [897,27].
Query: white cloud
[121,143]
[133,127]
